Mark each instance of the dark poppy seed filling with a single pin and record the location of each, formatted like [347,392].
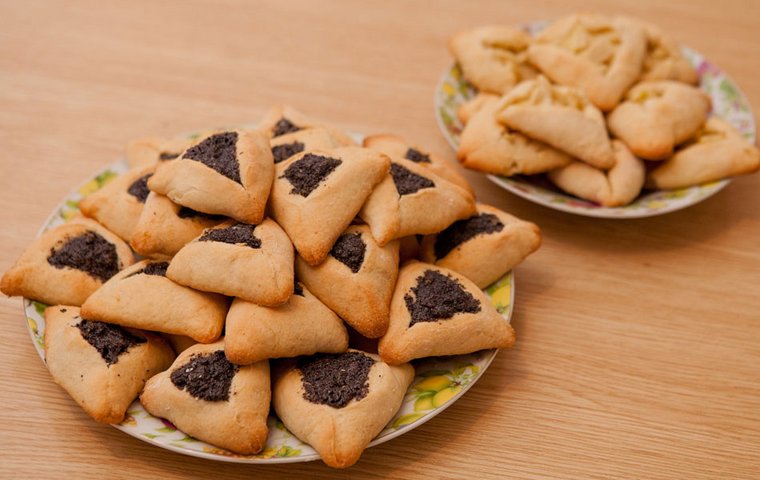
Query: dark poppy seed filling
[335,380]
[308,172]
[108,339]
[218,152]
[408,182]
[185,212]
[206,376]
[286,150]
[167,156]
[438,297]
[349,250]
[416,156]
[239,233]
[284,126]
[464,230]
[88,252]
[298,289]
[139,188]
[155,268]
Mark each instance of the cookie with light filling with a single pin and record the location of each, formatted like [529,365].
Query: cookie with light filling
[228,173]
[602,56]
[395,147]
[716,151]
[356,279]
[656,116]
[252,262]
[149,151]
[483,247]
[413,200]
[118,205]
[317,194]
[436,311]
[493,58]
[489,146]
[618,186]
[301,326]
[213,400]
[142,297]
[165,227]
[311,138]
[101,366]
[67,263]
[664,59]
[561,116]
[339,403]
[284,119]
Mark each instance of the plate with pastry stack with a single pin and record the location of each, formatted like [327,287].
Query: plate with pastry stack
[593,115]
[275,293]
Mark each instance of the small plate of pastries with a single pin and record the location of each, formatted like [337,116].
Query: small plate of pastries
[594,115]
[278,292]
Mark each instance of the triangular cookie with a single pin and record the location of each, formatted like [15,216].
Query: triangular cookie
[253,262]
[665,60]
[494,57]
[102,366]
[304,140]
[301,326]
[164,227]
[284,119]
[317,194]
[414,200]
[716,151]
[483,247]
[395,147]
[118,205]
[602,56]
[656,116]
[620,185]
[356,279]
[213,400]
[560,116]
[142,297]
[145,152]
[489,146]
[67,263]
[227,173]
[436,311]
[339,403]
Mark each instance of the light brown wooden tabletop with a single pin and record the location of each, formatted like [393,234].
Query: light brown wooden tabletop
[638,350]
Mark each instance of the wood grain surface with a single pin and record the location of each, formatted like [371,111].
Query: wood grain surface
[638,352]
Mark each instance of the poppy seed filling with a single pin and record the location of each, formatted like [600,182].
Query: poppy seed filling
[286,150]
[242,233]
[108,339]
[335,380]
[463,230]
[88,252]
[438,297]
[139,188]
[349,250]
[408,182]
[308,172]
[284,126]
[416,156]
[206,376]
[218,152]
[155,268]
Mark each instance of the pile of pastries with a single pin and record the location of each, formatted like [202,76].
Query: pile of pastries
[262,249]
[604,106]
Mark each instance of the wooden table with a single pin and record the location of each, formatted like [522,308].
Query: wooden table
[638,349]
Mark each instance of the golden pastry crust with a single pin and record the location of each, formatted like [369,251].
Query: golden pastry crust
[32,276]
[135,299]
[312,138]
[716,151]
[294,121]
[362,297]
[179,343]
[193,184]
[395,147]
[238,424]
[104,391]
[316,220]
[504,242]
[560,116]
[618,186]
[665,60]
[656,116]
[464,332]
[301,326]
[602,56]
[340,435]
[118,205]
[165,227]
[493,58]
[489,146]
[262,275]
[149,151]
[434,206]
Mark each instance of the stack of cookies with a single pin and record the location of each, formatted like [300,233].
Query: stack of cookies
[551,103]
[261,250]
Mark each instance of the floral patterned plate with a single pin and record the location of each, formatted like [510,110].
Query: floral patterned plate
[439,381]
[728,102]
